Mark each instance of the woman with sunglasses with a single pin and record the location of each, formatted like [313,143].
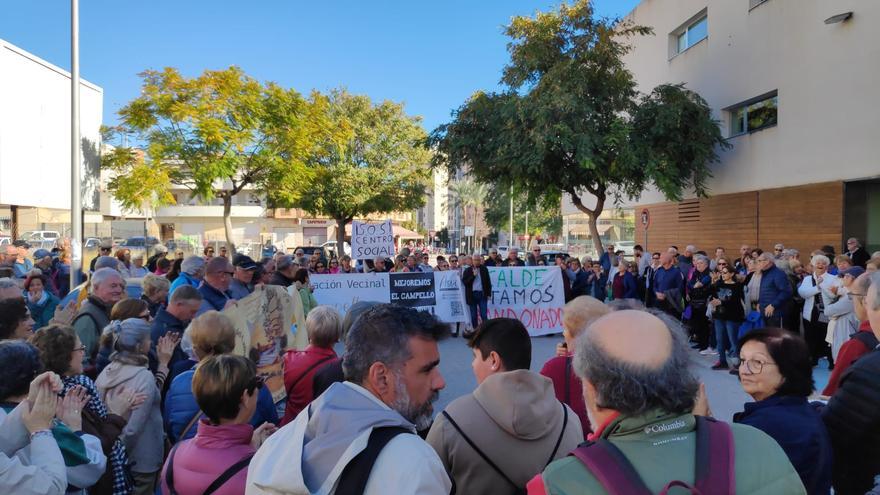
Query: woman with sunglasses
[226,389]
[211,334]
[728,312]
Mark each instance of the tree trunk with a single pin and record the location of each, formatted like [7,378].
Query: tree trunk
[592,217]
[340,236]
[227,223]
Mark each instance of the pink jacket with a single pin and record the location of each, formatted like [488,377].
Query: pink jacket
[202,459]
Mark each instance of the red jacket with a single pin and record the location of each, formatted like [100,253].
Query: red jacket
[202,459]
[849,353]
[299,369]
[554,369]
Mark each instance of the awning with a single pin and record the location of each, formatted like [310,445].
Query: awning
[585,229]
[399,232]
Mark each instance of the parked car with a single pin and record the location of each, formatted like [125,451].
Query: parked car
[549,256]
[92,243]
[41,235]
[175,245]
[626,247]
[330,246]
[140,241]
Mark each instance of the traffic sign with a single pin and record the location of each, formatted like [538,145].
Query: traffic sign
[645,218]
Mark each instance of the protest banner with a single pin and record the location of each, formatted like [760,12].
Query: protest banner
[267,323]
[437,292]
[532,295]
[371,240]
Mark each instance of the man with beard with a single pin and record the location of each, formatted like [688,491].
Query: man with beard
[392,379]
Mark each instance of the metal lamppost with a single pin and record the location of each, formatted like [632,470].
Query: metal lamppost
[76,219]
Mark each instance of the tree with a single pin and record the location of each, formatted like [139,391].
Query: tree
[543,219]
[215,134]
[379,165]
[469,194]
[570,121]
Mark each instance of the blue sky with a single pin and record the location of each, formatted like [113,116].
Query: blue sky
[430,55]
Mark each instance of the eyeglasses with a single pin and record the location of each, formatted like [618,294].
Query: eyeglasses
[81,348]
[850,295]
[753,365]
[145,317]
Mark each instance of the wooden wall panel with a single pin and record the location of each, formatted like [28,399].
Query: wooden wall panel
[803,217]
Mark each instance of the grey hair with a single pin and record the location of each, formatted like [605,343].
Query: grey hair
[381,335]
[691,248]
[127,337]
[284,262]
[324,326]
[8,283]
[101,275]
[107,262]
[193,265]
[185,292]
[819,257]
[700,257]
[633,389]
[626,303]
[874,281]
[153,283]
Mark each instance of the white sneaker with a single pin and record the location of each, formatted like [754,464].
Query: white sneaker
[709,352]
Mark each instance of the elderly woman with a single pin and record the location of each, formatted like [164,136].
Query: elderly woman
[699,288]
[83,458]
[15,320]
[137,268]
[623,284]
[816,289]
[128,370]
[576,316]
[155,292]
[775,370]
[226,389]
[61,352]
[211,334]
[324,327]
[842,320]
[40,301]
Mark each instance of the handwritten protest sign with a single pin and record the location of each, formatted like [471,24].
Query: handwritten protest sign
[371,240]
[532,295]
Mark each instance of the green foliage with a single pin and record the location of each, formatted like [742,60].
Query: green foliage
[564,123]
[215,134]
[377,166]
[544,219]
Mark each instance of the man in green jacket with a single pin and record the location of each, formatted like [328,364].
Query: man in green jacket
[640,395]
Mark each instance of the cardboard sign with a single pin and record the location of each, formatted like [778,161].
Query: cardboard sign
[371,240]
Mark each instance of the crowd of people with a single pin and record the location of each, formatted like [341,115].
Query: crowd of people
[104,393]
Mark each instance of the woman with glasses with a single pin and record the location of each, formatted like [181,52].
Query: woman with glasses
[775,370]
[334,266]
[128,372]
[728,312]
[226,389]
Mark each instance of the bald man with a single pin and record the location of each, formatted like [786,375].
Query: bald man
[640,396]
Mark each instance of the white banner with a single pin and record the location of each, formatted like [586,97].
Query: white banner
[533,295]
[437,292]
[371,240]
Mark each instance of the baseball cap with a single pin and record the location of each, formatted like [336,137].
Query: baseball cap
[21,243]
[854,271]
[246,263]
[41,253]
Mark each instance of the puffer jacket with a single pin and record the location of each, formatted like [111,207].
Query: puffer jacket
[201,460]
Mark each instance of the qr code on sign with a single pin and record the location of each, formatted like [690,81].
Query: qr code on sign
[457,308]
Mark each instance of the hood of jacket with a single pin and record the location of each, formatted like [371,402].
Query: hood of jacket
[118,373]
[521,403]
[325,437]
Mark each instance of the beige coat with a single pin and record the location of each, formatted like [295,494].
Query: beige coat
[516,421]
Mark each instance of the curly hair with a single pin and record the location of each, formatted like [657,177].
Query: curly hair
[55,343]
[21,364]
[12,313]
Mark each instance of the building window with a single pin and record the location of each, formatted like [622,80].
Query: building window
[754,115]
[691,33]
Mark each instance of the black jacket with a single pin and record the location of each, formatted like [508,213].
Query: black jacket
[278,278]
[467,278]
[852,417]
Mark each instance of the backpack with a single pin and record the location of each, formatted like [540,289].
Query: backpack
[520,490]
[356,473]
[714,463]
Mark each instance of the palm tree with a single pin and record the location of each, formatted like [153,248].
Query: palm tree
[469,193]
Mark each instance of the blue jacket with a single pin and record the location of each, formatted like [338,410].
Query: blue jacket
[668,279]
[181,407]
[163,323]
[212,299]
[798,428]
[42,313]
[775,290]
[183,279]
